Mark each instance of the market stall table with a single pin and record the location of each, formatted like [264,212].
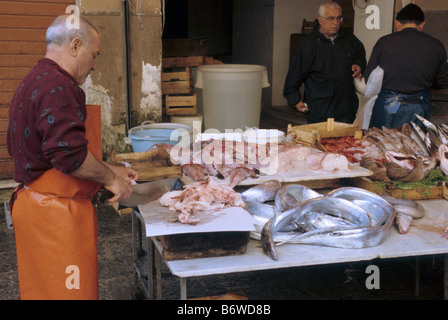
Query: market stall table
[424,238]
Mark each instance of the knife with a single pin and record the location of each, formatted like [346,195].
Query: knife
[141,192]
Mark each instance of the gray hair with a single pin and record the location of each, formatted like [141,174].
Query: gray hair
[328,4]
[59,34]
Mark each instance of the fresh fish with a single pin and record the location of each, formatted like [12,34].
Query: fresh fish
[292,195]
[262,213]
[442,155]
[350,238]
[431,131]
[442,135]
[419,131]
[381,212]
[444,127]
[417,174]
[317,220]
[417,145]
[374,205]
[403,222]
[411,208]
[406,167]
[378,169]
[428,124]
[336,207]
[262,192]
[407,210]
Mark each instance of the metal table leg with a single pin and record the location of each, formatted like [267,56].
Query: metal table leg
[183,288]
[151,250]
[445,278]
[417,276]
[158,262]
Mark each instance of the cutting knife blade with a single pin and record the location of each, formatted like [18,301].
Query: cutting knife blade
[149,191]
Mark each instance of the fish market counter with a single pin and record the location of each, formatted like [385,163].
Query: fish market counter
[427,236]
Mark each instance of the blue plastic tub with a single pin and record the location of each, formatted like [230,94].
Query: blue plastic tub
[147,135]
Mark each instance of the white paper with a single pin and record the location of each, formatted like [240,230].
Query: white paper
[158,220]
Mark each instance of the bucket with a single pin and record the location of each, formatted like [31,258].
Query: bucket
[264,136]
[231,95]
[195,120]
[148,134]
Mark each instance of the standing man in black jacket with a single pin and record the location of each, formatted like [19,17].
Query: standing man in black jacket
[327,61]
[413,62]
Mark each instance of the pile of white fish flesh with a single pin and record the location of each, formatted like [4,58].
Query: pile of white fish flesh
[347,217]
[237,161]
[208,195]
[408,154]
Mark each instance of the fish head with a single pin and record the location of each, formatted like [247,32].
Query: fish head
[267,241]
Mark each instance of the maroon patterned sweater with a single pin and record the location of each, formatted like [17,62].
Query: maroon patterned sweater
[46,123]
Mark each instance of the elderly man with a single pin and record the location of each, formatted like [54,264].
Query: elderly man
[413,62]
[327,61]
[58,170]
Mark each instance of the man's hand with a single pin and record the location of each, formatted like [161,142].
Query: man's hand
[302,107]
[356,71]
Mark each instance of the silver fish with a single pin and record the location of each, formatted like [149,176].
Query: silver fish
[418,130]
[442,135]
[360,237]
[262,192]
[442,155]
[336,207]
[431,131]
[292,195]
[403,221]
[416,143]
[352,238]
[407,210]
[317,220]
[428,124]
[262,213]
[411,208]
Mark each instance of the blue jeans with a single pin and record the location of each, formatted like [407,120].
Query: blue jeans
[393,109]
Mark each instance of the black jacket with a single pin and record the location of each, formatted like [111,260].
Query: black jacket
[325,68]
[412,61]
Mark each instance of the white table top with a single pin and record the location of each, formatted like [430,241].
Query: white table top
[424,238]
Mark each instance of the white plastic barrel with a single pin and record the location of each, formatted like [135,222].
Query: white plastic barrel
[231,95]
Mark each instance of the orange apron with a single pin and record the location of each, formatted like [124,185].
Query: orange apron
[55,227]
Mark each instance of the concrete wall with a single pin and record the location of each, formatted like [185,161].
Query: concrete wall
[107,86]
[288,17]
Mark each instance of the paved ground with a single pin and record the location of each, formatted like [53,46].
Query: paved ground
[338,281]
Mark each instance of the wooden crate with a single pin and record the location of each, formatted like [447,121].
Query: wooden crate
[150,165]
[177,82]
[311,133]
[439,191]
[181,105]
[202,245]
